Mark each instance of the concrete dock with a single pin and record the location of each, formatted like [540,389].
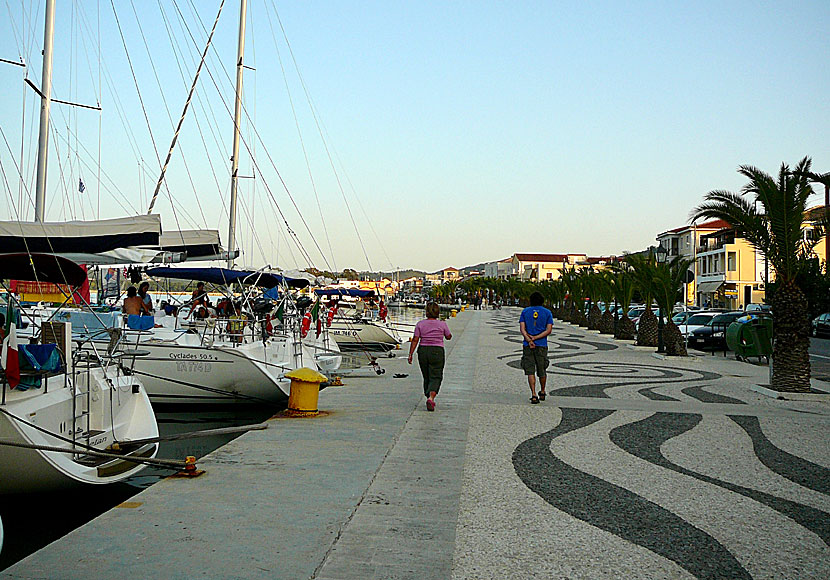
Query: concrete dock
[634,467]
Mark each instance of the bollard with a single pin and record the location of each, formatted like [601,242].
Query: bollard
[305,390]
[453,312]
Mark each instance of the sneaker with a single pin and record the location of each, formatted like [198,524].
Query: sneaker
[430,405]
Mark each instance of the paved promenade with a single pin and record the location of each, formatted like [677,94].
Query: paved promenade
[636,467]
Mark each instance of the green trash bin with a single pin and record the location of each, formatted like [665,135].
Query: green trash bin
[750,336]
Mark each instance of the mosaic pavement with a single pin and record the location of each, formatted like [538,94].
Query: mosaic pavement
[637,467]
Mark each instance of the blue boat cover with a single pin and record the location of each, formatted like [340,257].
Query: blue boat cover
[226,276]
[354,292]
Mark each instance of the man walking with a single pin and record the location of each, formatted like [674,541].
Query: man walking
[535,323]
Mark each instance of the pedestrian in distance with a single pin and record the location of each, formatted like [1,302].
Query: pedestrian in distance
[428,339]
[535,324]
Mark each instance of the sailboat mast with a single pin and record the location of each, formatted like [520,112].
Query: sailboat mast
[237,115]
[45,102]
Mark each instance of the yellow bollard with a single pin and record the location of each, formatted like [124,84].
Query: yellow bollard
[305,390]
[454,313]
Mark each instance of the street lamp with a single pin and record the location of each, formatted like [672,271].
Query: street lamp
[661,255]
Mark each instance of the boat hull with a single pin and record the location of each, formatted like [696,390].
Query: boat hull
[250,373]
[118,409]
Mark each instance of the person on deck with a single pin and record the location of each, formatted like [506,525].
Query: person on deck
[535,324]
[132,303]
[430,334]
[199,302]
[146,300]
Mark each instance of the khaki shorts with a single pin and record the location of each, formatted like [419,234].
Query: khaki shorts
[535,360]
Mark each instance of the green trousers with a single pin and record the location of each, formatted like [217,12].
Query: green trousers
[431,361]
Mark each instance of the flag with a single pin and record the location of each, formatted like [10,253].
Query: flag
[315,315]
[280,314]
[9,359]
[81,186]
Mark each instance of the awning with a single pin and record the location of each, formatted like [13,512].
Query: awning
[709,287]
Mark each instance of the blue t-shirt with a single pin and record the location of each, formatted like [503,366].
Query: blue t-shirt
[536,319]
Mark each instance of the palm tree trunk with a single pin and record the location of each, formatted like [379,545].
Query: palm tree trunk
[647,329]
[674,341]
[790,349]
[625,328]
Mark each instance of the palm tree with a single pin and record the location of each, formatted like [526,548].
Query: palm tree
[623,284]
[667,284]
[643,273]
[777,233]
[593,287]
[606,294]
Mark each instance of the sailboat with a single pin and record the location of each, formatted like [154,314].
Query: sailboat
[75,424]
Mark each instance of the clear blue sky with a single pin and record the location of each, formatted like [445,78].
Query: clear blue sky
[465,131]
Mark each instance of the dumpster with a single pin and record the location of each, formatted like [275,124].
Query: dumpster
[750,336]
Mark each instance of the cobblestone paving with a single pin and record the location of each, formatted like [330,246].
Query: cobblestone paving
[676,470]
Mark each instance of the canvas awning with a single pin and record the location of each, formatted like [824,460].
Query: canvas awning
[709,287]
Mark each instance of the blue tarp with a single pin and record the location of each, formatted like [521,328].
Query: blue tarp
[354,292]
[37,357]
[226,276]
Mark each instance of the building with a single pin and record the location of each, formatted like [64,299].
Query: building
[730,273]
[539,267]
[685,241]
[499,269]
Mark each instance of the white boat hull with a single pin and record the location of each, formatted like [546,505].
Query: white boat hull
[119,412]
[364,334]
[248,373]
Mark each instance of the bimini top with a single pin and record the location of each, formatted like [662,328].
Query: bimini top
[226,276]
[353,292]
[41,268]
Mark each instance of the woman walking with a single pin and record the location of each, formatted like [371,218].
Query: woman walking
[430,334]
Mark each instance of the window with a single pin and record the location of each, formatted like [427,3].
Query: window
[732,260]
[550,275]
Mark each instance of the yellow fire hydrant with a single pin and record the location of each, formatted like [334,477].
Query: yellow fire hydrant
[305,390]
[454,313]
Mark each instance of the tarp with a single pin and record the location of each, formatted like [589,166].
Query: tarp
[41,268]
[91,237]
[226,276]
[709,287]
[354,292]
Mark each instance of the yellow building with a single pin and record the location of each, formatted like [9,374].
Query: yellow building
[540,267]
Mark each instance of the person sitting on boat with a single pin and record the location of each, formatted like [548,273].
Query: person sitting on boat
[236,323]
[146,300]
[200,302]
[133,304]
[359,308]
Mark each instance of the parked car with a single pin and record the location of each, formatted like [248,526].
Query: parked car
[713,333]
[695,321]
[758,308]
[821,325]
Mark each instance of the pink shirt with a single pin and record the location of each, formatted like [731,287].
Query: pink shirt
[432,331]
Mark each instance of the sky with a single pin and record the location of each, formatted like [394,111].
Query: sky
[386,135]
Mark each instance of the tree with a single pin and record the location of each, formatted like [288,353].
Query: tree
[622,282]
[667,285]
[776,231]
[642,266]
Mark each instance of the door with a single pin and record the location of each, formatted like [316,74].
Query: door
[747,294]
